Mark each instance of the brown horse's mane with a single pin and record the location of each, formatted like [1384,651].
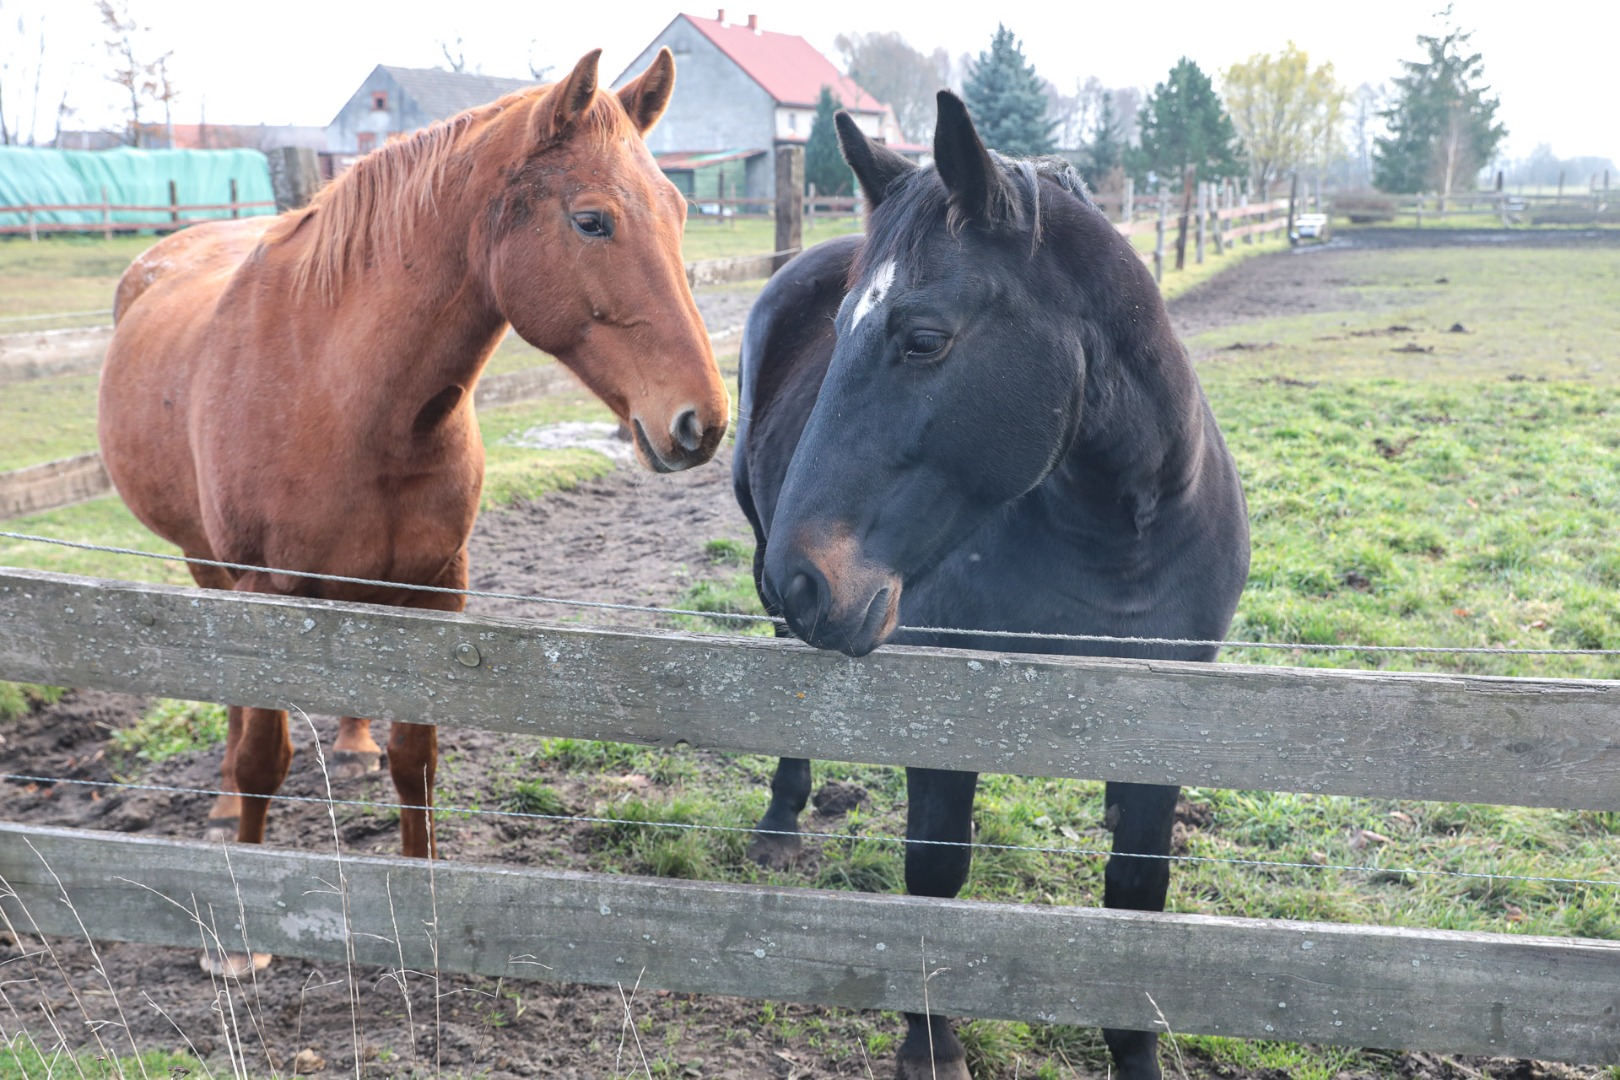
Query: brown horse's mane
[379,198]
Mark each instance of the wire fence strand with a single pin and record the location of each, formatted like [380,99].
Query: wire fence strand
[54,315]
[736,619]
[901,841]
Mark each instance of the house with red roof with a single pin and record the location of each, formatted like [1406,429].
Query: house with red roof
[741,91]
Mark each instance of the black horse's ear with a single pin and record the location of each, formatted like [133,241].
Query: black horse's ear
[977,190]
[874,164]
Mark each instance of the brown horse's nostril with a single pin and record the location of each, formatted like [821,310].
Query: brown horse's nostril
[687,431]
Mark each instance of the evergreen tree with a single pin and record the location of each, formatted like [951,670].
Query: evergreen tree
[1184,123]
[1442,124]
[1107,150]
[824,165]
[1007,99]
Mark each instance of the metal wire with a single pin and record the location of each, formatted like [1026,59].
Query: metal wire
[587,819]
[54,315]
[601,605]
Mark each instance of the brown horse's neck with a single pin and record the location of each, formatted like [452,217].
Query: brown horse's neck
[415,315]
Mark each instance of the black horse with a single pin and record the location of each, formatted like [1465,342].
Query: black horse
[979,417]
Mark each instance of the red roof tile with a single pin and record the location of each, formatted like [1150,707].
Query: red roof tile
[787,66]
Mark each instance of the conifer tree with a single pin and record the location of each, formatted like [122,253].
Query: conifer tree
[824,164]
[1442,120]
[1184,123]
[1107,150]
[1007,100]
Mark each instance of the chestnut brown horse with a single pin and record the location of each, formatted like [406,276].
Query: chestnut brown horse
[298,395]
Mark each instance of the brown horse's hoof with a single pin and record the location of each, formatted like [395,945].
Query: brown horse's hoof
[353,764]
[776,851]
[234,965]
[221,830]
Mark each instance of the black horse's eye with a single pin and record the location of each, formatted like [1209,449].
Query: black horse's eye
[926,345]
[594,224]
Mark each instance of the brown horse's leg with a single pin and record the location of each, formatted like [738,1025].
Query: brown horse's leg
[355,753]
[413,759]
[224,816]
[413,749]
[263,758]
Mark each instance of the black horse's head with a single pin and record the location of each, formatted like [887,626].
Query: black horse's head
[955,385]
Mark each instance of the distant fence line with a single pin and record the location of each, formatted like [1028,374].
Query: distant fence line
[121,217]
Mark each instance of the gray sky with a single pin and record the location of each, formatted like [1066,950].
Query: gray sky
[297,61]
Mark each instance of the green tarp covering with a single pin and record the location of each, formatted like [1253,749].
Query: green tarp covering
[34,177]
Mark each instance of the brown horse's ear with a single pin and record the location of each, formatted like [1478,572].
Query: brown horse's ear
[570,98]
[977,190]
[874,164]
[647,95]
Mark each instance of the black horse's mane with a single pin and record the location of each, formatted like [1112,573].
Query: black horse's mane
[917,200]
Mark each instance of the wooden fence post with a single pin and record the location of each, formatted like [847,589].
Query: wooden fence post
[1222,186]
[295,176]
[810,206]
[1188,179]
[789,203]
[1293,199]
[1203,220]
[1158,236]
[236,211]
[1243,205]
[106,215]
[1127,201]
[174,202]
[33,231]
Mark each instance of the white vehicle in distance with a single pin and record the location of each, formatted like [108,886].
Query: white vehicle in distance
[1310,227]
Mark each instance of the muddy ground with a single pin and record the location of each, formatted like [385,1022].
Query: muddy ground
[629,538]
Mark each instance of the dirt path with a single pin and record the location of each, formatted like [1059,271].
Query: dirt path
[629,538]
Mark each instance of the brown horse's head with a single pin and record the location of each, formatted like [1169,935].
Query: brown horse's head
[584,257]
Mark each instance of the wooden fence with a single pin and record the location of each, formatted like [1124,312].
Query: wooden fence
[1514,741]
[172,215]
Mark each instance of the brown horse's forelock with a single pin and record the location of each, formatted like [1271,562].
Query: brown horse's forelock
[380,198]
[918,204]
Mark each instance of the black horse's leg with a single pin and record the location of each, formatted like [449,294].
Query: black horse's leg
[1142,816]
[777,842]
[939,807]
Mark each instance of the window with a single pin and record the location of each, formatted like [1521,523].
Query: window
[379,100]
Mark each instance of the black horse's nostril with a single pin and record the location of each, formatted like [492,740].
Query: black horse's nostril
[800,597]
[687,431]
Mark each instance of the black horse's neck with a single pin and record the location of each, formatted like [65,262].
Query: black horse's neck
[1142,432]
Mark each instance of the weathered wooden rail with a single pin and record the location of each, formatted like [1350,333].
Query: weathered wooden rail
[1515,741]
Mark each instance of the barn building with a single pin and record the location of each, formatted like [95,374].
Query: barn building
[741,91]
[395,101]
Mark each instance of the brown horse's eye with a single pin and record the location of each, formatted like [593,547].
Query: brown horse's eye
[593,224]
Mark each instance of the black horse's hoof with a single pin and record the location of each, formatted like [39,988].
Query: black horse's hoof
[776,850]
[908,1068]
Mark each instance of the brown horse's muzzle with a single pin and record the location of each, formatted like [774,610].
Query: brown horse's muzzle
[831,595]
[688,438]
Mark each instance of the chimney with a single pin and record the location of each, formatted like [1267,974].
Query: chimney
[753,23]
[721,17]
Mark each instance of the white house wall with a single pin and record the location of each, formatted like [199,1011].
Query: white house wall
[716,105]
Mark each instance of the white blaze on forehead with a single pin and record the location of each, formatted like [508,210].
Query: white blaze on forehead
[874,294]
